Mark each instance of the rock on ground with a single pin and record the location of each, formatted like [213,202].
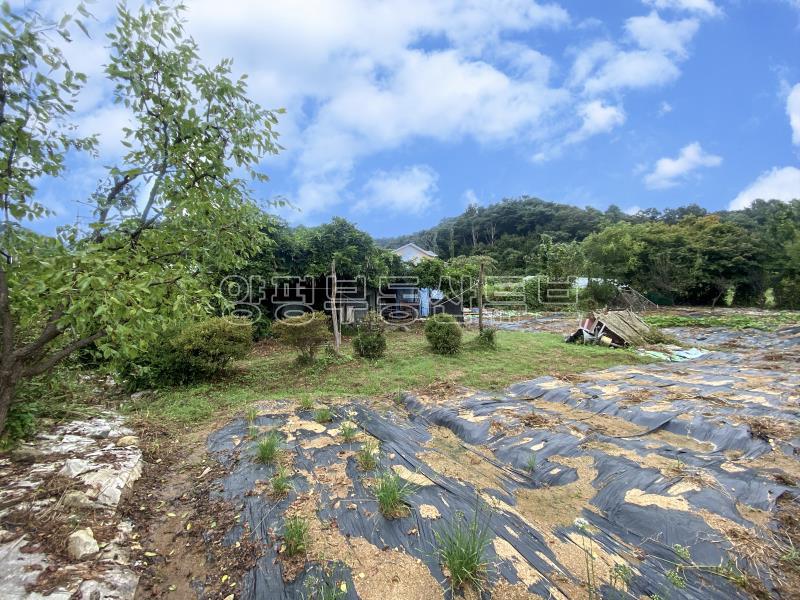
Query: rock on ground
[81,544]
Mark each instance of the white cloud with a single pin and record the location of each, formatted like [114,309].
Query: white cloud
[779,183]
[669,171]
[358,78]
[633,70]
[650,57]
[355,83]
[436,95]
[632,210]
[599,118]
[664,109]
[793,110]
[651,32]
[702,7]
[588,59]
[107,121]
[596,118]
[401,192]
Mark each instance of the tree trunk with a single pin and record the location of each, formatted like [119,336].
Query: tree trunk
[480,300]
[7,385]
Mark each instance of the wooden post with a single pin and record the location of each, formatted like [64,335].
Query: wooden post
[480,299]
[337,340]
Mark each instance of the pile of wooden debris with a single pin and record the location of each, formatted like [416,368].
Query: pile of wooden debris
[614,328]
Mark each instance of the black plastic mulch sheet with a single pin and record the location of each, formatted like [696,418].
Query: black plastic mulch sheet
[650,470]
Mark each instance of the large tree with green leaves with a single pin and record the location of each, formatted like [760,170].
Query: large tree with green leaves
[176,206]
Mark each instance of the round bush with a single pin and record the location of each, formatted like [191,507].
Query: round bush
[208,346]
[370,339]
[443,334]
[196,352]
[306,333]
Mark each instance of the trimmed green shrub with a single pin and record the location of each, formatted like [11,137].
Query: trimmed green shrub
[370,341]
[305,333]
[262,328]
[209,346]
[197,352]
[443,334]
[21,422]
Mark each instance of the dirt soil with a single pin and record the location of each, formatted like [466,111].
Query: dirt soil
[670,480]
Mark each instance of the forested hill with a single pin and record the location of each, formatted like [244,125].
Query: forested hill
[516,224]
[512,220]
[512,229]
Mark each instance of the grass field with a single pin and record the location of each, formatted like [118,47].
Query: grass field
[764,322]
[272,373]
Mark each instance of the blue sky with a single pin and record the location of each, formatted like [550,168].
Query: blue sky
[401,112]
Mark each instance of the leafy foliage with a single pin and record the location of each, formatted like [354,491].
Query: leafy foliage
[768,322]
[598,293]
[443,334]
[680,255]
[370,341]
[194,143]
[787,292]
[306,333]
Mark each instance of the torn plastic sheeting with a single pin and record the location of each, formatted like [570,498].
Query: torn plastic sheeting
[716,431]
[632,503]
[787,337]
[753,490]
[675,355]
[644,478]
[448,496]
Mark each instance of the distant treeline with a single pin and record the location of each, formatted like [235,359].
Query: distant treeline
[684,255]
[680,255]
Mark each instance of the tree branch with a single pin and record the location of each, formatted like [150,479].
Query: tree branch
[115,191]
[49,333]
[48,363]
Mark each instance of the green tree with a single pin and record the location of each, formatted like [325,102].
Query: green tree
[558,260]
[614,252]
[193,147]
[429,272]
